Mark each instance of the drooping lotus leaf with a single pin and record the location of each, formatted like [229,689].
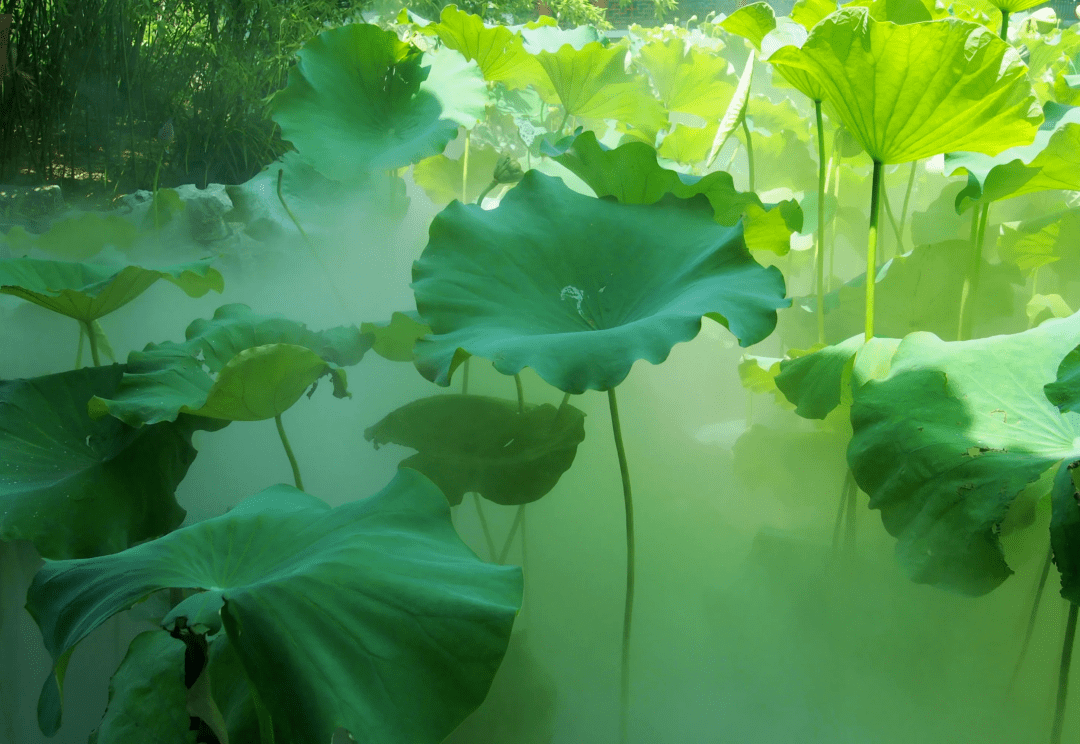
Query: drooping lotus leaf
[1064,391]
[821,378]
[752,22]
[395,340]
[797,68]
[593,83]
[1065,529]
[499,52]
[354,104]
[908,92]
[948,438]
[77,487]
[239,366]
[580,288]
[1052,161]
[688,79]
[372,616]
[474,443]
[631,174]
[87,292]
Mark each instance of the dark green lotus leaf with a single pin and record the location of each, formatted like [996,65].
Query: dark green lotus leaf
[1065,529]
[395,340]
[1052,161]
[87,292]
[1064,391]
[354,104]
[238,366]
[631,174]
[78,487]
[580,288]
[911,91]
[473,443]
[751,22]
[813,381]
[372,616]
[950,436]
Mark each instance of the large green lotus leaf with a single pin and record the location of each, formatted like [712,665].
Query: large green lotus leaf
[372,616]
[579,288]
[797,68]
[459,86]
[687,79]
[592,83]
[631,174]
[262,365]
[473,443]
[1052,161]
[1065,530]
[354,105]
[687,145]
[948,439]
[752,22]
[1064,391]
[395,340]
[896,11]
[1015,6]
[499,52]
[812,381]
[808,13]
[78,487]
[87,292]
[908,92]
[442,177]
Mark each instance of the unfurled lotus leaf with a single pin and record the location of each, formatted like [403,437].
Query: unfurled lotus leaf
[1052,161]
[736,111]
[579,288]
[76,487]
[395,340]
[592,83]
[631,174]
[473,443]
[907,92]
[752,22]
[86,292]
[950,436]
[688,79]
[402,626]
[237,367]
[354,104]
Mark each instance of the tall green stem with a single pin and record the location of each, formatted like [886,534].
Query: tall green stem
[845,497]
[289,453]
[520,393]
[91,334]
[979,217]
[1031,619]
[819,259]
[871,248]
[79,350]
[749,153]
[518,518]
[1004,25]
[628,607]
[1063,674]
[465,376]
[465,171]
[907,195]
[484,526]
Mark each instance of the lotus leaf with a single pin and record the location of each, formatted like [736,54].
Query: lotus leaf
[1064,392]
[579,288]
[912,91]
[736,112]
[87,292]
[80,488]
[354,104]
[441,177]
[752,22]
[395,340]
[372,616]
[688,79]
[459,85]
[473,443]
[948,438]
[808,13]
[896,11]
[1065,529]
[544,35]
[77,238]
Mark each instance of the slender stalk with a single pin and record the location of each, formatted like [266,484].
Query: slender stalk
[852,517]
[979,217]
[303,234]
[520,393]
[907,195]
[518,519]
[832,226]
[628,608]
[485,192]
[892,220]
[819,258]
[465,376]
[1034,291]
[289,453]
[1031,620]
[465,172]
[91,334]
[1063,675]
[749,153]
[871,248]
[845,496]
[562,124]
[484,525]
[157,172]
[1004,25]
[79,351]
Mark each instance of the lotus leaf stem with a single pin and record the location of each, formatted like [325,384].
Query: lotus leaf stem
[628,610]
[871,248]
[79,349]
[845,497]
[303,233]
[907,195]
[289,453]
[562,124]
[1004,25]
[520,393]
[518,518]
[484,524]
[465,173]
[892,221]
[749,154]
[832,227]
[1031,619]
[485,192]
[465,376]
[819,257]
[266,723]
[979,217]
[852,517]
[1063,674]
[91,334]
